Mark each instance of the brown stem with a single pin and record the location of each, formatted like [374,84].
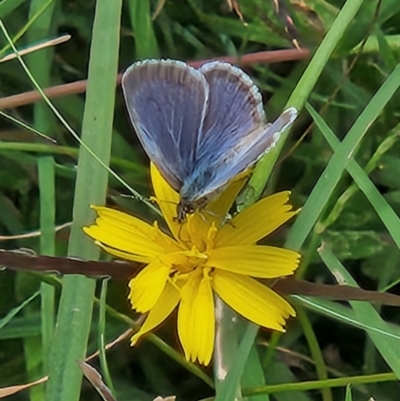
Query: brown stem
[274,56]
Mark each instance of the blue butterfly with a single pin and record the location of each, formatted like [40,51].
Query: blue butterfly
[200,127]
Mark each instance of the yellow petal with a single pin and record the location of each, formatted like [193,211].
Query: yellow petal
[196,320]
[198,224]
[125,255]
[252,300]
[254,260]
[161,310]
[167,199]
[216,211]
[120,240]
[220,205]
[128,234]
[134,226]
[256,222]
[115,218]
[148,285]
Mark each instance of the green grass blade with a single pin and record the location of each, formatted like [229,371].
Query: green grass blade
[349,397]
[315,351]
[330,177]
[101,336]
[371,165]
[71,131]
[380,204]
[42,13]
[317,384]
[229,387]
[47,247]
[10,315]
[253,375]
[76,302]
[226,342]
[145,38]
[388,347]
[298,98]
[301,93]
[33,18]
[345,315]
[8,6]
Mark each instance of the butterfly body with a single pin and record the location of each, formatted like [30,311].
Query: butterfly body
[200,127]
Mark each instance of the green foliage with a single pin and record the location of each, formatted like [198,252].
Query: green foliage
[341,162]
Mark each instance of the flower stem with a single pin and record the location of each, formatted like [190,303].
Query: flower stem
[226,343]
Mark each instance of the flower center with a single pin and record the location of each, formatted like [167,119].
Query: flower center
[186,261]
[200,233]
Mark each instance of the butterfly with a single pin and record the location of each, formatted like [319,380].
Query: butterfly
[200,127]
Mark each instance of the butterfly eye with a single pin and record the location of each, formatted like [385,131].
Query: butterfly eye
[182,210]
[188,208]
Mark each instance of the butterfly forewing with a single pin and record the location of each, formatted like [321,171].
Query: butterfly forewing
[166,101]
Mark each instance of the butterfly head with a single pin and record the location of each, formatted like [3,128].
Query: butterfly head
[186,207]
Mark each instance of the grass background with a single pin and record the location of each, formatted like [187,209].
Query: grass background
[341,161]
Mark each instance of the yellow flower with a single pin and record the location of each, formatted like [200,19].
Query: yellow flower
[203,256]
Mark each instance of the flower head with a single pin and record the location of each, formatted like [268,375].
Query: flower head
[203,256]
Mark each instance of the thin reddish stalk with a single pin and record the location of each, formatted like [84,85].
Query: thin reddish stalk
[274,56]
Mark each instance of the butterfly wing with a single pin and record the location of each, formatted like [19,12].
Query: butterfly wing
[166,101]
[250,149]
[234,134]
[216,173]
[234,109]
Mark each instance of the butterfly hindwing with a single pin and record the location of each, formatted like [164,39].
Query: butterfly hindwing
[235,133]
[247,151]
[234,109]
